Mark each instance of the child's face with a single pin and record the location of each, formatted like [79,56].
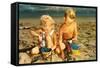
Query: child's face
[69,19]
[47,23]
[70,16]
[47,26]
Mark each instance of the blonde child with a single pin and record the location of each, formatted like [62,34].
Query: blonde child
[46,34]
[68,32]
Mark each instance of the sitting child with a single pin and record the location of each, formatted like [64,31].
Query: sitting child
[68,33]
[46,35]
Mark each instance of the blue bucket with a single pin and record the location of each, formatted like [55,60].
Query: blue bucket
[44,49]
[74,46]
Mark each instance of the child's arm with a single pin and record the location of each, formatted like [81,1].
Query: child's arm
[34,33]
[75,33]
[60,35]
[49,41]
[62,45]
[54,41]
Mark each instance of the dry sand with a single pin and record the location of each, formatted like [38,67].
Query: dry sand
[86,38]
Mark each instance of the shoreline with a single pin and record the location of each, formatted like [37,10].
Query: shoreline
[57,20]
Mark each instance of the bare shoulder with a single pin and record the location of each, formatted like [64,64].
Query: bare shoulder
[62,26]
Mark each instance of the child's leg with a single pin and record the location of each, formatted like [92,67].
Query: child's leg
[68,52]
[62,54]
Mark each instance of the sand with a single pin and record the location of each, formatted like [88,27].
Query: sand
[86,38]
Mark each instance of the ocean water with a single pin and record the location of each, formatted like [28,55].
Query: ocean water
[31,11]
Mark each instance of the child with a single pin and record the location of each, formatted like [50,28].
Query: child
[46,34]
[48,26]
[68,32]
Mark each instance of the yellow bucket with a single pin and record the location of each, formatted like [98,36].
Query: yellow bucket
[76,52]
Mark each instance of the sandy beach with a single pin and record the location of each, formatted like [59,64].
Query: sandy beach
[86,39]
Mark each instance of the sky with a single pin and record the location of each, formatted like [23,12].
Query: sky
[27,10]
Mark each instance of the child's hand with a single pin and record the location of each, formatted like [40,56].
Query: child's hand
[62,46]
[54,47]
[46,32]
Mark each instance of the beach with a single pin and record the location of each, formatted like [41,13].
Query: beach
[86,39]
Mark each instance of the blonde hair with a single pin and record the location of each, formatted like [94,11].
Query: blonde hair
[70,12]
[44,19]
